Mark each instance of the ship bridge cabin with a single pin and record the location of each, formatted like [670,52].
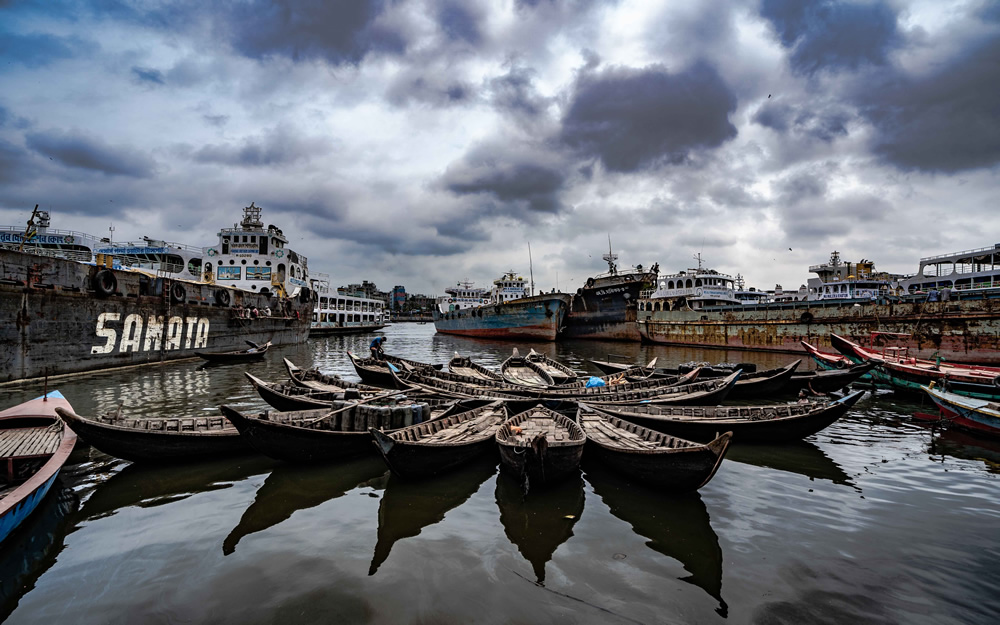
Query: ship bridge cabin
[256,259]
[508,287]
[343,308]
[840,280]
[693,289]
[965,271]
[463,295]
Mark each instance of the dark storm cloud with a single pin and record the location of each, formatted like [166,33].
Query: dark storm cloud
[40,49]
[280,146]
[515,180]
[14,165]
[514,93]
[459,21]
[76,150]
[337,31]
[426,86]
[638,119]
[148,75]
[818,124]
[947,120]
[829,34]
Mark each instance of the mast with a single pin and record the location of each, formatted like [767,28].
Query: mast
[531,272]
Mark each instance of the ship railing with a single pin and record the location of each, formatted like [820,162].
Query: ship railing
[75,233]
[991,249]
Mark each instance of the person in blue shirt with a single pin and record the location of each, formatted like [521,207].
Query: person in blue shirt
[376,347]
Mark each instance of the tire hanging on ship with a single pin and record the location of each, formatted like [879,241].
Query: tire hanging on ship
[177,293]
[105,282]
[222,297]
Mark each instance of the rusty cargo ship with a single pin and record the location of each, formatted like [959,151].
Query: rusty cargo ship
[949,309]
[606,307]
[507,311]
[147,303]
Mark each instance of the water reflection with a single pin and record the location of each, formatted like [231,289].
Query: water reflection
[407,507]
[677,526]
[149,485]
[959,444]
[290,488]
[802,457]
[539,523]
[32,548]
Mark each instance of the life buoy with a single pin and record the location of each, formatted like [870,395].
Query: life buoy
[177,293]
[222,297]
[105,282]
[806,317]
[842,364]
[590,282]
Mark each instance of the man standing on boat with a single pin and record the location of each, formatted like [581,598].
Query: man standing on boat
[376,348]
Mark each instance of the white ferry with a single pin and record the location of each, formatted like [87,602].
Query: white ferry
[695,288]
[338,312]
[841,280]
[967,271]
[174,260]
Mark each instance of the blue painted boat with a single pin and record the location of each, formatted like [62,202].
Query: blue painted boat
[537,318]
[34,445]
[980,416]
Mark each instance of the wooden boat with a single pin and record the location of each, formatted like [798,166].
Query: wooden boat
[254,352]
[560,373]
[903,373]
[827,360]
[650,392]
[519,370]
[650,370]
[376,371]
[463,365]
[827,380]
[438,446]
[650,457]
[34,446]
[315,380]
[968,413]
[337,432]
[749,424]
[763,383]
[540,446]
[157,440]
[286,396]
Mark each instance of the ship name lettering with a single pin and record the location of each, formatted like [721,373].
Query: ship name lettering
[142,335]
[610,291]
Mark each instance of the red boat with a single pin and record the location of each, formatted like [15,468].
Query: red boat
[903,372]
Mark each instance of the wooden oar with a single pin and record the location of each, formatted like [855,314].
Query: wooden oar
[357,403]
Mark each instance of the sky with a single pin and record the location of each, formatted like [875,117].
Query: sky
[426,142]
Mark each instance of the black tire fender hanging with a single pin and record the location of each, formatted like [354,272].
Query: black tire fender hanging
[222,297]
[105,282]
[177,293]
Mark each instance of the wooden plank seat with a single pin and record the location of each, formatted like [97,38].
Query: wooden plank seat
[29,442]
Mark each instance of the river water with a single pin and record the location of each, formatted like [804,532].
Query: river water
[877,519]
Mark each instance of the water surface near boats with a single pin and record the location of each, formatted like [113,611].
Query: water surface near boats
[879,518]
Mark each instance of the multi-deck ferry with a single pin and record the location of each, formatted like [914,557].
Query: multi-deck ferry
[80,303]
[509,311]
[339,312]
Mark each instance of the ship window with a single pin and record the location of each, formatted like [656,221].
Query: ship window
[697,282]
[232,262]
[243,262]
[268,263]
[225,245]
[688,284]
[263,245]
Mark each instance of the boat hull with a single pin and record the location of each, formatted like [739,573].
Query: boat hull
[965,330]
[536,318]
[606,308]
[326,328]
[63,324]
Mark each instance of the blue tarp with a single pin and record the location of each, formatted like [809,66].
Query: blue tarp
[595,381]
[393,367]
